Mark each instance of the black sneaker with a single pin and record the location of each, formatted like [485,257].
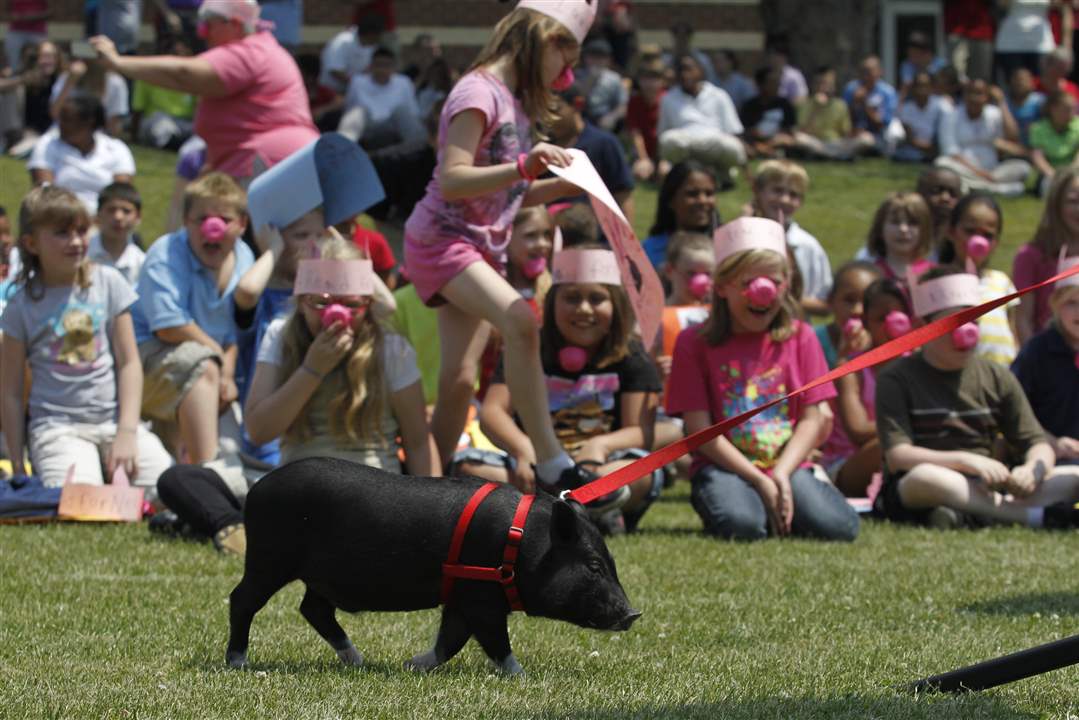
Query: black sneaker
[578,476]
[1061,516]
[168,524]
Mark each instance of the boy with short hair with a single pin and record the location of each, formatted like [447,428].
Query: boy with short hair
[939,413]
[119,209]
[184,316]
[779,188]
[1046,368]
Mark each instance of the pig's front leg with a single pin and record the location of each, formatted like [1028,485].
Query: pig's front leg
[494,638]
[453,633]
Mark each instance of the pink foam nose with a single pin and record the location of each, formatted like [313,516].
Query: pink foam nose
[534,267]
[978,247]
[564,81]
[852,327]
[572,359]
[896,324]
[966,336]
[700,285]
[762,291]
[214,228]
[336,313]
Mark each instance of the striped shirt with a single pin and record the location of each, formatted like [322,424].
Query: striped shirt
[997,343]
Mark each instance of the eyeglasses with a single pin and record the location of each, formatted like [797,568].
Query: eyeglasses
[321,302]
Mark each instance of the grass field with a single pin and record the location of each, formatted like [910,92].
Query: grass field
[109,622]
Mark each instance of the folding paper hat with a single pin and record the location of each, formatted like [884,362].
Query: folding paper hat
[333,172]
[245,11]
[576,15]
[950,291]
[1067,263]
[749,233]
[334,277]
[585,266]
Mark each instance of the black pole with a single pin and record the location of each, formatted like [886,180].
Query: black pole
[1005,669]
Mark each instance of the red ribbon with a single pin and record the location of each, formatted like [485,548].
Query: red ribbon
[888,351]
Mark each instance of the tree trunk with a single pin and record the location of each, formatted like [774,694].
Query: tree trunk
[839,33]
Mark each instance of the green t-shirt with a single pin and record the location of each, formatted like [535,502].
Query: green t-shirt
[825,122]
[148,99]
[419,325]
[1059,148]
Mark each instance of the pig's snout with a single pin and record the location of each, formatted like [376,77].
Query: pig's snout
[626,622]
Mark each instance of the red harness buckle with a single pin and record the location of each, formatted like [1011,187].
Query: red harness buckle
[506,573]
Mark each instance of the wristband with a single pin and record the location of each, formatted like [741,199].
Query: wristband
[522,170]
[303,366]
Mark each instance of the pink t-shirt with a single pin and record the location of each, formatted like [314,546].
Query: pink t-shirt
[266,113]
[838,446]
[1030,266]
[742,373]
[484,220]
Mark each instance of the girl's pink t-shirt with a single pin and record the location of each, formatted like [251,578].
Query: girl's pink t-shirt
[484,220]
[1030,266]
[266,113]
[742,373]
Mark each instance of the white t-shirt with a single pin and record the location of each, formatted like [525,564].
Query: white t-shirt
[1026,28]
[84,175]
[129,264]
[343,54]
[382,102]
[399,371]
[116,95]
[712,108]
[812,262]
[923,122]
[972,139]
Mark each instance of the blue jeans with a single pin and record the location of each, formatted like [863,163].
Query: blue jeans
[731,509]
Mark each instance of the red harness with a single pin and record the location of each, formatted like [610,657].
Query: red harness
[504,574]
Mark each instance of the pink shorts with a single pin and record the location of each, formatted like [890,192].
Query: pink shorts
[431,266]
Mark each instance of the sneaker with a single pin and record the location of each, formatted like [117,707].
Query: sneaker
[578,476]
[165,523]
[1061,516]
[231,540]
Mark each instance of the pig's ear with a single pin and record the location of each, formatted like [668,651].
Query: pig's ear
[564,523]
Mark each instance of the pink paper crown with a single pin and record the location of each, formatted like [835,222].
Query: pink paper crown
[576,15]
[334,277]
[245,11]
[749,233]
[1067,263]
[950,291]
[585,266]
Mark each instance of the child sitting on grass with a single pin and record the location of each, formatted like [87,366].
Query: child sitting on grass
[184,317]
[119,209]
[939,413]
[899,239]
[1046,368]
[70,320]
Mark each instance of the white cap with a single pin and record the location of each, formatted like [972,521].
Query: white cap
[576,15]
[950,291]
[749,233]
[244,11]
[591,265]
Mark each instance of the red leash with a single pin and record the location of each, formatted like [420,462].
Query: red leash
[891,349]
[505,575]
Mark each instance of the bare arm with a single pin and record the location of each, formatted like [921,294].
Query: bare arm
[190,331]
[13,417]
[852,412]
[807,434]
[40,176]
[421,453]
[542,192]
[270,410]
[253,282]
[192,75]
[1041,164]
[722,453]
[625,201]
[638,428]
[905,456]
[496,421]
[128,372]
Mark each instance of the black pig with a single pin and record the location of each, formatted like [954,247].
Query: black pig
[364,539]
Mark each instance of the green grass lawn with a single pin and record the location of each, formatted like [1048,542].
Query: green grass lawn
[109,622]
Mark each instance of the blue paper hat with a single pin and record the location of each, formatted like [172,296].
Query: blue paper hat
[333,172]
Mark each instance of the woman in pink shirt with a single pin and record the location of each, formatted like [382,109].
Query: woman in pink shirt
[253,110]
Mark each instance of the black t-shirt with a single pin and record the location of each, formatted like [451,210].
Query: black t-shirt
[1046,370]
[36,115]
[763,118]
[589,403]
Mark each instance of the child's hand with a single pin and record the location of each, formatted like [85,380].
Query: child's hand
[994,473]
[227,392]
[643,169]
[1067,448]
[76,69]
[594,449]
[1023,481]
[786,501]
[122,453]
[855,344]
[330,347]
[545,154]
[523,476]
[664,363]
[769,491]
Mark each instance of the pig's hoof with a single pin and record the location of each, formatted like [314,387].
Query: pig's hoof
[351,656]
[236,660]
[424,662]
[509,667]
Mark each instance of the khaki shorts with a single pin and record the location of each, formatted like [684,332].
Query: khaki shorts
[169,371]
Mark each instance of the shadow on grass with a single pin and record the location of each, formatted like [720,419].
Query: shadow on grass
[1053,603]
[952,708]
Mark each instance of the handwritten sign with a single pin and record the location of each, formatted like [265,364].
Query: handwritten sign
[638,276]
[118,502]
[334,277]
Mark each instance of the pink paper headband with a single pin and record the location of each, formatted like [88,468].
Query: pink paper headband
[1066,263]
[950,291]
[585,266]
[576,15]
[749,233]
[334,277]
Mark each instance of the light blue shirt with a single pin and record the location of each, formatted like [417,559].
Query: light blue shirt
[176,289]
[882,97]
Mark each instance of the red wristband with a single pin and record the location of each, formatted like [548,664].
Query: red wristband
[522,170]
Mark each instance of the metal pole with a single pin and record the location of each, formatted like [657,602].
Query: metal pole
[1004,669]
